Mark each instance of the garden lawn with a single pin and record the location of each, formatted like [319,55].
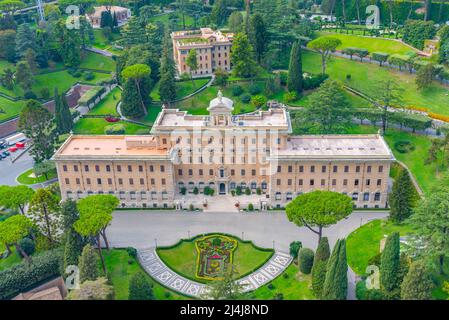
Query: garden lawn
[108,105]
[370,43]
[97,61]
[364,243]
[365,77]
[9,108]
[121,270]
[182,258]
[291,284]
[97,125]
[24,178]
[183,88]
[4,64]
[62,80]
[12,260]
[164,18]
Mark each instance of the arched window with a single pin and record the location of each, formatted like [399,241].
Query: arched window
[355,196]
[278,196]
[264,185]
[366,196]
[289,196]
[253,185]
[377,196]
[232,185]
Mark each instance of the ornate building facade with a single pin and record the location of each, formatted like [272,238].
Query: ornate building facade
[223,151]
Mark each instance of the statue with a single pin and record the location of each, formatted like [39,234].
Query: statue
[220,96]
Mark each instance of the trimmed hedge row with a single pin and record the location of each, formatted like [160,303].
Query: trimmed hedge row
[25,276]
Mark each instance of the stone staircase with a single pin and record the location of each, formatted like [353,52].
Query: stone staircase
[221,203]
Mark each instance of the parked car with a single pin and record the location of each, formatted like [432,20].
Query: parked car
[6,153]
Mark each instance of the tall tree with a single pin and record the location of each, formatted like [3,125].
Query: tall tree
[192,63]
[7,43]
[88,264]
[45,212]
[25,39]
[140,288]
[388,93]
[227,288]
[63,117]
[167,84]
[431,221]
[95,216]
[219,13]
[425,76]
[24,75]
[390,267]
[7,78]
[336,282]
[93,290]
[73,245]
[68,44]
[294,80]
[132,33]
[328,111]
[15,197]
[14,229]
[235,22]
[318,209]
[417,284]
[402,197]
[37,124]
[242,57]
[324,46]
[259,36]
[319,268]
[138,76]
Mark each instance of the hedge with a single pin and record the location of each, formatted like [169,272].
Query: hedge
[25,276]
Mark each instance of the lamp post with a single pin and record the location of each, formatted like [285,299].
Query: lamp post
[188,234]
[155,242]
[243,234]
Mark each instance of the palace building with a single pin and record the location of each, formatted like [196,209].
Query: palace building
[223,152]
[213,49]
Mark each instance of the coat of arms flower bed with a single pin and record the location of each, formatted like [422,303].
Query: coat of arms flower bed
[215,254]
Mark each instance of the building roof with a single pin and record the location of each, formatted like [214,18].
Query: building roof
[221,102]
[100,9]
[111,147]
[336,147]
[201,37]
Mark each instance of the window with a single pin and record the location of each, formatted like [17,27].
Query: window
[119,168]
[163,181]
[64,167]
[368,182]
[355,196]
[323,169]
[356,182]
[379,182]
[120,181]
[312,182]
[381,169]
[290,169]
[140,168]
[77,180]
[190,172]
[278,196]
[253,172]
[180,172]
[345,182]
[152,181]
[242,172]
[334,182]
[132,195]
[162,169]
[67,181]
[151,168]
[131,181]
[312,169]
[357,169]
[289,196]
[346,169]
[98,181]
[86,168]
[279,169]
[200,172]
[97,168]
[368,169]
[335,169]
[300,182]
[75,168]
[164,141]
[253,185]
[377,196]
[301,168]
[289,182]
[142,181]
[366,196]
[323,182]
[88,181]
[232,185]
[264,185]
[108,168]
[109,181]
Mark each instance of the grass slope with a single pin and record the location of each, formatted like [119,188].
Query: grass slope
[97,125]
[108,105]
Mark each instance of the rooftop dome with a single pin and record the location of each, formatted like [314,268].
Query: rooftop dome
[221,102]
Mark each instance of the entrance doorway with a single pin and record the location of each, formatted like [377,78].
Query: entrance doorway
[222,188]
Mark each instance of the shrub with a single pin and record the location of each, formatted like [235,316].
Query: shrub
[29,95]
[27,245]
[404,146]
[314,81]
[306,256]
[248,191]
[89,76]
[270,286]
[238,191]
[245,98]
[290,96]
[195,190]
[278,296]
[295,246]
[254,89]
[183,190]
[233,193]
[348,77]
[208,191]
[114,129]
[24,276]
[259,191]
[250,207]
[191,207]
[132,252]
[45,93]
[283,76]
[237,90]
[258,101]
[140,288]
[285,275]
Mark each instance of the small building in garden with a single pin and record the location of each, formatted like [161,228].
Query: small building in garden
[122,14]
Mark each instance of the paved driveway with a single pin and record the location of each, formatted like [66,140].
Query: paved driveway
[142,229]
[9,171]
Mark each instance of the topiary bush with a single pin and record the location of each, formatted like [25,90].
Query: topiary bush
[404,146]
[295,246]
[258,101]
[28,246]
[245,98]
[132,252]
[290,96]
[254,89]
[237,90]
[89,76]
[248,191]
[250,207]
[30,95]
[305,257]
[25,276]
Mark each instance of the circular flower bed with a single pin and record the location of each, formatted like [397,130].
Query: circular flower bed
[112,119]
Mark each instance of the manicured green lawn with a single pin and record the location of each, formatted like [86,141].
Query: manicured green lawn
[292,284]
[183,88]
[9,109]
[121,267]
[365,77]
[164,18]
[364,243]
[182,258]
[24,177]
[97,125]
[370,44]
[6,64]
[108,105]
[97,61]
[153,112]
[13,259]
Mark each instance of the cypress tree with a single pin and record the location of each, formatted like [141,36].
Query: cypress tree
[390,267]
[66,115]
[417,284]
[167,85]
[294,80]
[402,197]
[130,100]
[88,264]
[140,288]
[336,282]
[72,248]
[319,268]
[58,112]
